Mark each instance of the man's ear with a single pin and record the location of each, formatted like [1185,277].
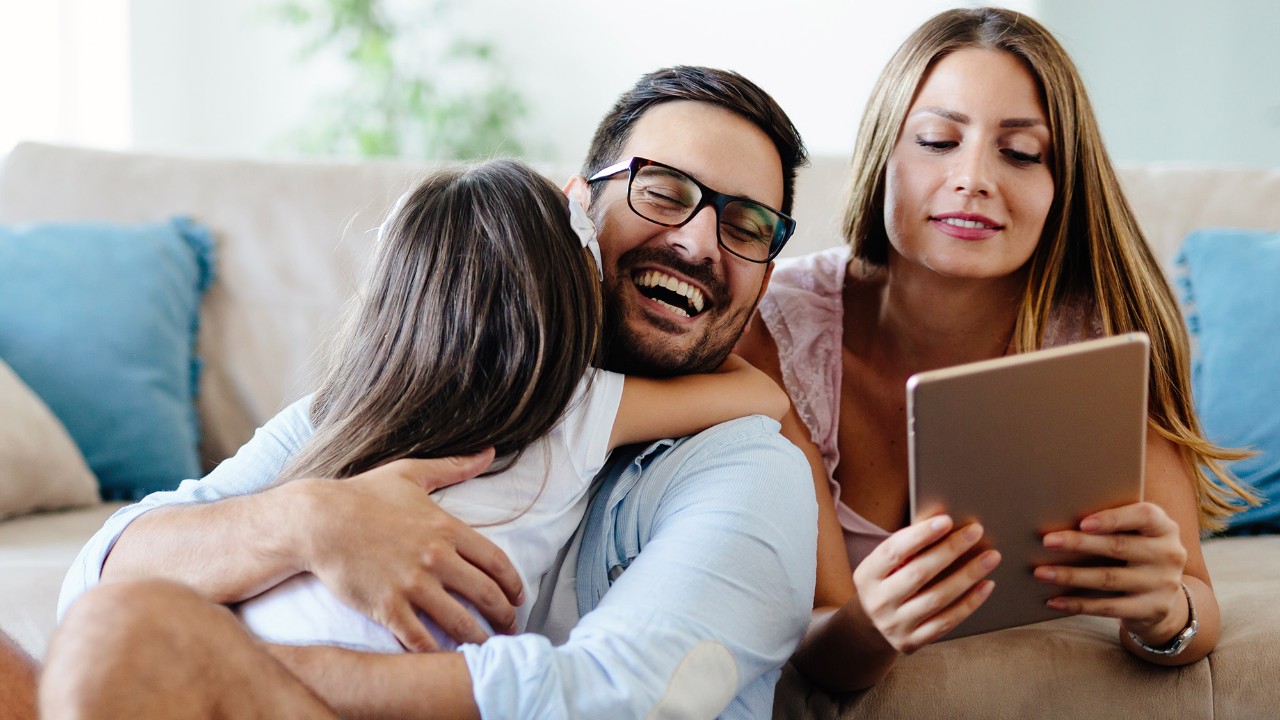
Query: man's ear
[576,189]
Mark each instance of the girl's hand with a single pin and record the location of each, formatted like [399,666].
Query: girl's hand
[1146,589]
[909,593]
[380,544]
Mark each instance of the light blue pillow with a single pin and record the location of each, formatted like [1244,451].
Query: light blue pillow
[100,321]
[1230,282]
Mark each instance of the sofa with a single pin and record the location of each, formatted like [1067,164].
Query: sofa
[290,239]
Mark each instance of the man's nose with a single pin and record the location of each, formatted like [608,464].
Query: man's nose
[697,240]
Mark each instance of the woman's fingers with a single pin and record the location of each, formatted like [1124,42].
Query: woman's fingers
[912,587]
[1109,578]
[903,545]
[1143,581]
[943,622]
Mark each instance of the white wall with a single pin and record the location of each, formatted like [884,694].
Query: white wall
[216,76]
[64,72]
[1171,80]
[1178,80]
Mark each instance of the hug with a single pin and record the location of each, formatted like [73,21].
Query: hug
[602,447]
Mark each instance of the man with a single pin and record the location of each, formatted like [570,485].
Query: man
[686,588]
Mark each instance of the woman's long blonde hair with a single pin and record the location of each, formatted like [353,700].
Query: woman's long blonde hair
[478,321]
[1091,245]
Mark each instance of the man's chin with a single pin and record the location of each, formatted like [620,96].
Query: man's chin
[658,354]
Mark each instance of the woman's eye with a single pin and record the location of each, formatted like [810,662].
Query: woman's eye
[936,145]
[1023,158]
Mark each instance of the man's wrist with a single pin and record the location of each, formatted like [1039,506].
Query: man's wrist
[291,511]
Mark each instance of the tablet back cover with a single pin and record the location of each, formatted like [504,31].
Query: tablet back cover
[1026,445]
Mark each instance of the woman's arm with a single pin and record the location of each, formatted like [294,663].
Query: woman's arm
[851,647]
[655,408]
[1159,542]
[842,650]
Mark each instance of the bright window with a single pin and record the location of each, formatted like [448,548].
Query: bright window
[64,72]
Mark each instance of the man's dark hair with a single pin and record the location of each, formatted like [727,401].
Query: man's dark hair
[721,88]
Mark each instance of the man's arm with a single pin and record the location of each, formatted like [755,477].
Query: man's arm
[187,534]
[701,619]
[233,535]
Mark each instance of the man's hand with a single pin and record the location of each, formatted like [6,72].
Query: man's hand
[381,545]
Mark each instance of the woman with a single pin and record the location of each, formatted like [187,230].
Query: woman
[983,219]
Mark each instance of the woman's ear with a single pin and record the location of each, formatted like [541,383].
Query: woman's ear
[576,189]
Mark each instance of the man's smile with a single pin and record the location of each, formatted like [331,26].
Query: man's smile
[676,295]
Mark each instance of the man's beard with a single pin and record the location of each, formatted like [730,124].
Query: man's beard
[631,353]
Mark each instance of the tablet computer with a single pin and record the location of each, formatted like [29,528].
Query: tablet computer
[1028,444]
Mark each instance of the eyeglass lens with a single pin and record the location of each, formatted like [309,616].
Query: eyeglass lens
[668,197]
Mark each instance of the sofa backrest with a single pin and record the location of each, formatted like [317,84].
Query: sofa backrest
[292,239]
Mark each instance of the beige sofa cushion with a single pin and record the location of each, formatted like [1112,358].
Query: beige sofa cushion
[292,239]
[35,552]
[1074,667]
[40,467]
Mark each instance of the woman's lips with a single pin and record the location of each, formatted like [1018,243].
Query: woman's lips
[965,226]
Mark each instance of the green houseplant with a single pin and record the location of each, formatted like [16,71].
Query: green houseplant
[413,88]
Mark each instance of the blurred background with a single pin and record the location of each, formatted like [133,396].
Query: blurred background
[1171,80]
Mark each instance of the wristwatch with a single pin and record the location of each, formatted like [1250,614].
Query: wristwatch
[1179,641]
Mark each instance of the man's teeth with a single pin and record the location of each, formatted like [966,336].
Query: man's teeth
[970,224]
[679,311]
[653,278]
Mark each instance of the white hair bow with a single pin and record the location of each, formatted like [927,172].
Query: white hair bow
[586,231]
[391,216]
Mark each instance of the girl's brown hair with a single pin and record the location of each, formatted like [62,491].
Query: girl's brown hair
[479,318]
[1091,246]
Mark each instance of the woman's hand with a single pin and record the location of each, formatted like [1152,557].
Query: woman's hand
[381,545]
[909,589]
[1145,590]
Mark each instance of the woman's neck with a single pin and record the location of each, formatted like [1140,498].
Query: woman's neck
[911,319]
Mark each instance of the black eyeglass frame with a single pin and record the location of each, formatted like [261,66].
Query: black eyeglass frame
[714,198]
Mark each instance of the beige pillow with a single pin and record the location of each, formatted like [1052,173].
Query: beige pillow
[40,467]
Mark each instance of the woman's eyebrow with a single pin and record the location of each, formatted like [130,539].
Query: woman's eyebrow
[962,119]
[1021,123]
[944,113]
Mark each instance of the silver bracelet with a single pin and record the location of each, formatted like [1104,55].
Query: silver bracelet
[1179,641]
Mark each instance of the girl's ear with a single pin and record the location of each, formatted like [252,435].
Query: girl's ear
[576,189]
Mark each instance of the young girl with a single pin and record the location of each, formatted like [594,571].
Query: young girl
[478,328]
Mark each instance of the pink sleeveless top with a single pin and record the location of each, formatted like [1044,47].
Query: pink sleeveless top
[804,311]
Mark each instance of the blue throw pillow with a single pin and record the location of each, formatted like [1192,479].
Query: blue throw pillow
[1231,286]
[100,321]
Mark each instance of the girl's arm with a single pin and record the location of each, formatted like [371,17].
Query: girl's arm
[655,408]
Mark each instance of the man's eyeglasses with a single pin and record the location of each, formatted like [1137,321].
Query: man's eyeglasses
[669,197]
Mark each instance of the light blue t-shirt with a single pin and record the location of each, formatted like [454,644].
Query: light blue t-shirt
[687,586]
